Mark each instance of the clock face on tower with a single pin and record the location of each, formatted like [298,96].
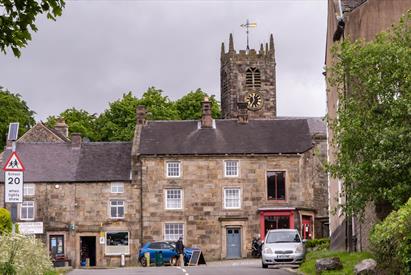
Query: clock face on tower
[254,100]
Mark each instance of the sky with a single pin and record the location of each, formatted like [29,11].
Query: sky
[98,50]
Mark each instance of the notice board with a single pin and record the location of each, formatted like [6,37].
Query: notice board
[197,258]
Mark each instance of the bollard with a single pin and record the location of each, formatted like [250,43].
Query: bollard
[123,260]
[147,256]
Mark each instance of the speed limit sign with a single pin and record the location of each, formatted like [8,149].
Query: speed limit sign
[14,186]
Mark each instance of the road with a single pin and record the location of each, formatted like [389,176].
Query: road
[246,267]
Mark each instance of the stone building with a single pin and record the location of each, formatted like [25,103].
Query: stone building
[78,197]
[219,182]
[363,19]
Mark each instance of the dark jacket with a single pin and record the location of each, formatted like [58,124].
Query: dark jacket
[180,247]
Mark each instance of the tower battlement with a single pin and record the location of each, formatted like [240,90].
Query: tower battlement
[248,76]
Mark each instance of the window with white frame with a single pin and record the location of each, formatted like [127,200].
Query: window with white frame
[173,169]
[27,211]
[173,231]
[174,198]
[117,187]
[116,209]
[117,243]
[231,168]
[28,189]
[232,198]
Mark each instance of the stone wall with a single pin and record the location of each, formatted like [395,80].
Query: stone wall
[86,206]
[203,181]
[40,133]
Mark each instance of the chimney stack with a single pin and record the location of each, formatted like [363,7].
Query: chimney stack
[242,112]
[206,118]
[61,127]
[76,140]
[141,114]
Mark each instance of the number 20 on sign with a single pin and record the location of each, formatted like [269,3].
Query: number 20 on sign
[14,186]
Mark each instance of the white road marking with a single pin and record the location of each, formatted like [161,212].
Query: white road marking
[183,270]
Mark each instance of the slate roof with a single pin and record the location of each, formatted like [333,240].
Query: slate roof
[228,137]
[60,162]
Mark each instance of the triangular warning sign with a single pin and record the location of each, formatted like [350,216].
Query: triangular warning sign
[13,163]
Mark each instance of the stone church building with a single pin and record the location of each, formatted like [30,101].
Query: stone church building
[216,182]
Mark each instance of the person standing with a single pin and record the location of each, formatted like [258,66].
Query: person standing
[180,252]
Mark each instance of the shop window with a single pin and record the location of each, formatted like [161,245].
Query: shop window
[174,198]
[173,169]
[117,187]
[117,243]
[276,185]
[231,168]
[117,209]
[28,189]
[56,245]
[232,199]
[27,211]
[276,222]
[173,231]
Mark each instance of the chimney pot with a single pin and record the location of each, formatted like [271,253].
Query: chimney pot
[61,127]
[76,140]
[141,114]
[206,118]
[242,112]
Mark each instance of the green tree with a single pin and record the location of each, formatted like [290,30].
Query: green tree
[17,20]
[78,121]
[13,109]
[159,107]
[189,106]
[5,221]
[118,121]
[372,131]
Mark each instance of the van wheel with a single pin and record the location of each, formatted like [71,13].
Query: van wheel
[143,261]
[265,265]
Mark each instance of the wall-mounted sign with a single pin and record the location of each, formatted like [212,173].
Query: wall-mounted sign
[102,240]
[31,228]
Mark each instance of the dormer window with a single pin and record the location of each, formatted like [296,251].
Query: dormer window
[253,78]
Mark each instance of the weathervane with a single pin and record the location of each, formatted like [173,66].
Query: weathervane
[248,25]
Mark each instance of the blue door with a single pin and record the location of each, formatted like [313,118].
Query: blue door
[233,242]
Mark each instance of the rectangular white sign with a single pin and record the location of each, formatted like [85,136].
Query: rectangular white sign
[13,181]
[30,228]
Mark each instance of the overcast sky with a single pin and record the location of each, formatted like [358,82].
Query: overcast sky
[99,50]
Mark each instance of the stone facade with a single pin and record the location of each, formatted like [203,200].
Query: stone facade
[363,20]
[233,80]
[75,210]
[202,181]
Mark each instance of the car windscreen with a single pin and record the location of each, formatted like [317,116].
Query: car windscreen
[283,237]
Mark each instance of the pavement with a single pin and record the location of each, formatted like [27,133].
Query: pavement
[233,267]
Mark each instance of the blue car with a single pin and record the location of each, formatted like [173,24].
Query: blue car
[167,249]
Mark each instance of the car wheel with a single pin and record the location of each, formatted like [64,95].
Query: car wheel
[143,261]
[265,265]
[173,261]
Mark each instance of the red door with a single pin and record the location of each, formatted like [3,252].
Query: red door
[307,227]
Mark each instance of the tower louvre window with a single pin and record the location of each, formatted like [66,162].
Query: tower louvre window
[253,78]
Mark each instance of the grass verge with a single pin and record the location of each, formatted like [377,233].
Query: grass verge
[348,260]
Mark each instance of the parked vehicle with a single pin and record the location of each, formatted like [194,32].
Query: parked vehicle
[256,246]
[166,248]
[282,246]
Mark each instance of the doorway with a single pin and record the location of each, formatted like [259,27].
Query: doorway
[88,251]
[233,242]
[307,227]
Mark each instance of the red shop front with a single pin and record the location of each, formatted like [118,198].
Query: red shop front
[275,218]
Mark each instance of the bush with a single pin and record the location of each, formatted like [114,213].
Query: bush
[391,241]
[5,221]
[21,254]
[318,244]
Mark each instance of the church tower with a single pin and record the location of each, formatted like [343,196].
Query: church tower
[248,76]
